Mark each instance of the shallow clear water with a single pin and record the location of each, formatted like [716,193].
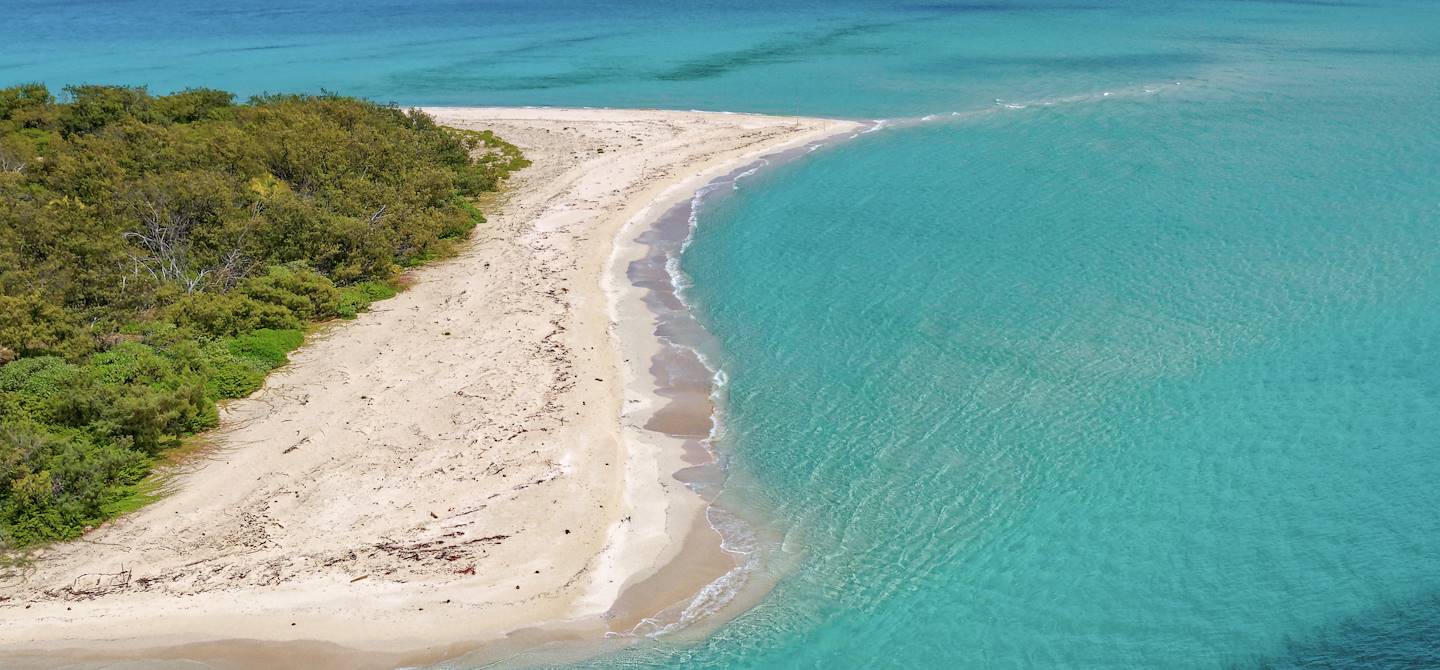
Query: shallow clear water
[1149,379]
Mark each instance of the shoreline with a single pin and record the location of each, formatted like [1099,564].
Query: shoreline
[680,394]
[574,224]
[671,367]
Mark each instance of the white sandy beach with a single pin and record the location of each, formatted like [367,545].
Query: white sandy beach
[465,462]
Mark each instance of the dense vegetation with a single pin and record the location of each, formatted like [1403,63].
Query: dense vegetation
[160,253]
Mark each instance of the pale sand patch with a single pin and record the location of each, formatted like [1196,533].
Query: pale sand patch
[460,465]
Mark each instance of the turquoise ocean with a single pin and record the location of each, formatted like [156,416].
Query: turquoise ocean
[1118,346]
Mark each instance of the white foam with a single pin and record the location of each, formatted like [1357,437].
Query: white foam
[735,183]
[736,539]
[1001,104]
[878,124]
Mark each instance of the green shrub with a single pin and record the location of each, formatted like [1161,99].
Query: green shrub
[305,293]
[231,376]
[222,314]
[268,347]
[56,484]
[31,325]
[129,363]
[23,96]
[41,376]
[93,107]
[461,221]
[30,385]
[193,105]
[154,419]
[356,298]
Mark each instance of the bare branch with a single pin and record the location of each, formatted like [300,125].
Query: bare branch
[10,162]
[375,218]
[164,237]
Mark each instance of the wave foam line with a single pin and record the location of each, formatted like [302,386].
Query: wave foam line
[736,537]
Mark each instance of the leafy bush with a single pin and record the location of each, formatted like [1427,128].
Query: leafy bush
[159,253]
[29,384]
[130,363]
[222,314]
[31,325]
[231,376]
[266,346]
[356,298]
[305,293]
[41,376]
[58,484]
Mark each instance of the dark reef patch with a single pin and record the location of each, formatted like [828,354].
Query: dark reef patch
[455,78]
[997,7]
[1052,63]
[1304,3]
[545,45]
[263,47]
[1405,52]
[792,48]
[1397,636]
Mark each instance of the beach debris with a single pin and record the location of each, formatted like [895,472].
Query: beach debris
[439,549]
[295,446]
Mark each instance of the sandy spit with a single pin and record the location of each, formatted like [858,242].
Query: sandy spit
[464,466]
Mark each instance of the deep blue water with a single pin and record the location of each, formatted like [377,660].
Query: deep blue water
[1147,379]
